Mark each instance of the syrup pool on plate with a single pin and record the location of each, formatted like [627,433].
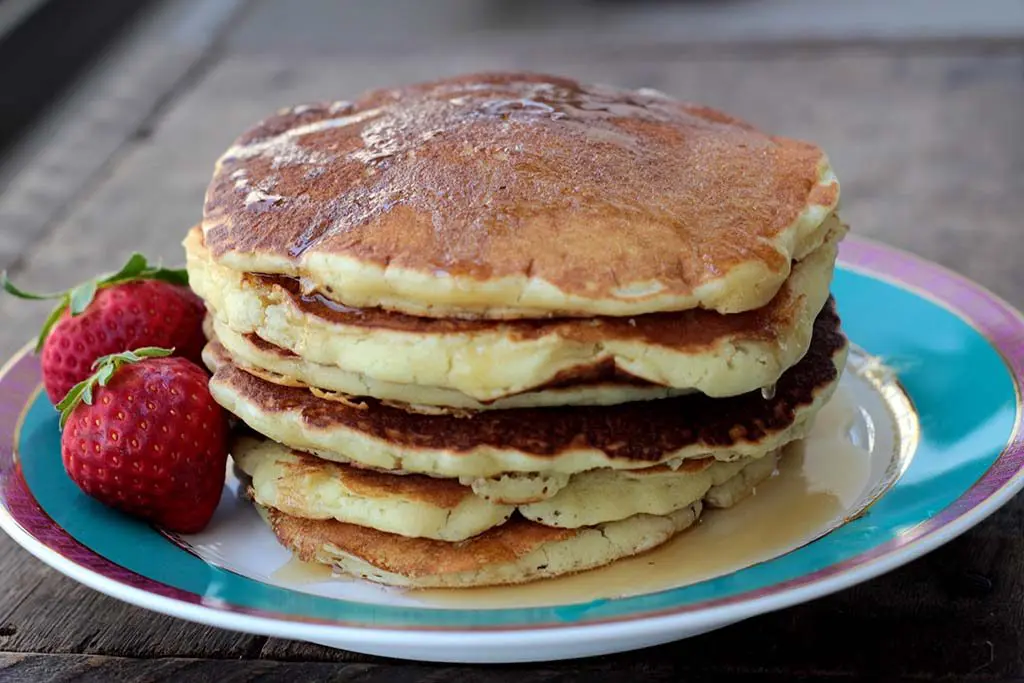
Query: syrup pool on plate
[295,572]
[816,483]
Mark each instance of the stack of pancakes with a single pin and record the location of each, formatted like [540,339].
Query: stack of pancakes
[502,327]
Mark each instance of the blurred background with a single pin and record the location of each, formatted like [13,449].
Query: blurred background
[115,110]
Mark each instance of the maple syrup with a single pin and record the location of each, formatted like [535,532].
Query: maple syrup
[817,482]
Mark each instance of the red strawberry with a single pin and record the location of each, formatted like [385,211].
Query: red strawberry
[144,436]
[138,306]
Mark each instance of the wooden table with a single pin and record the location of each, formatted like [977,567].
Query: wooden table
[927,138]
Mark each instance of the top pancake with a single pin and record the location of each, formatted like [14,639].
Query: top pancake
[519,195]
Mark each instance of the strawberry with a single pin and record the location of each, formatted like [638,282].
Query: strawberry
[143,435]
[138,306]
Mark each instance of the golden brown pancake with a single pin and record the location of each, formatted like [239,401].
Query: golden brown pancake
[568,439]
[684,330]
[486,360]
[512,195]
[516,552]
[418,506]
[411,505]
[259,357]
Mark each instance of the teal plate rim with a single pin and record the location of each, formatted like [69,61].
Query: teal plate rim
[958,350]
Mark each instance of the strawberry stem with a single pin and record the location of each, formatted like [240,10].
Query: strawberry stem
[78,298]
[105,367]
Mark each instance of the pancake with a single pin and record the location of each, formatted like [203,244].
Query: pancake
[274,364]
[729,491]
[409,505]
[516,552]
[532,487]
[515,195]
[418,506]
[524,487]
[601,496]
[565,440]
[719,355]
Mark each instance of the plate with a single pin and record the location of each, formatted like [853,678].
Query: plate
[921,442]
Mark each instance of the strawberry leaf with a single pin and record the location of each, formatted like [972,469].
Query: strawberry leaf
[138,268]
[104,374]
[87,394]
[141,353]
[81,296]
[73,398]
[51,320]
[22,294]
[105,367]
[135,265]
[78,298]
[174,276]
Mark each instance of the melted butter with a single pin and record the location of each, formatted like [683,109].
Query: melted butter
[295,572]
[817,482]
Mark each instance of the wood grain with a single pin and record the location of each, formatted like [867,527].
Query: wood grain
[101,669]
[929,151]
[104,113]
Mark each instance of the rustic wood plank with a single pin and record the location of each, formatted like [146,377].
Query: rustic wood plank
[21,573]
[351,27]
[88,668]
[70,149]
[34,667]
[41,611]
